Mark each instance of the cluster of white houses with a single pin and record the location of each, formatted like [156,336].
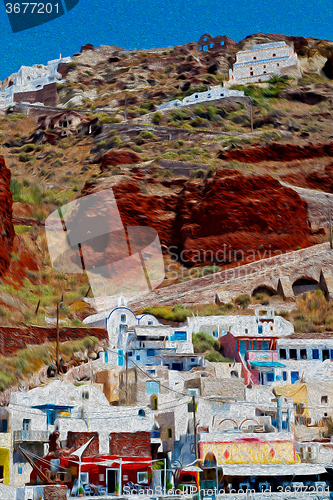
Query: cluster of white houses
[254,418]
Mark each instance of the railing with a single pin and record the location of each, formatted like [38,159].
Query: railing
[32,436]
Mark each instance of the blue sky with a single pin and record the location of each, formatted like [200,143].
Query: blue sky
[139,24]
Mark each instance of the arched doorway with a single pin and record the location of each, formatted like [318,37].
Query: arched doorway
[304,285]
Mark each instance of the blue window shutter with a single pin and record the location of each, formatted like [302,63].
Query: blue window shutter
[120,358]
[242,347]
[284,375]
[259,328]
[315,353]
[265,345]
[179,335]
[152,387]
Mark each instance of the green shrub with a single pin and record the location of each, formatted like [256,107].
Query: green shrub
[243,300]
[114,142]
[215,357]
[157,117]
[24,157]
[72,65]
[146,134]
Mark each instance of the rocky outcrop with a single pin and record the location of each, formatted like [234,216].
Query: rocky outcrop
[278,152]
[7,233]
[226,218]
[121,157]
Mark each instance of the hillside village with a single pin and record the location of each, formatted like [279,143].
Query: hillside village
[166,295]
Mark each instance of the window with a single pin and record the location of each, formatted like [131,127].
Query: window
[270,376]
[315,353]
[20,470]
[274,55]
[265,345]
[251,68]
[141,413]
[324,400]
[152,372]
[150,352]
[246,330]
[150,323]
[303,354]
[142,477]
[51,417]
[233,373]
[179,335]
[3,426]
[85,394]
[272,328]
[138,358]
[242,347]
[254,58]
[152,387]
[215,334]
[259,328]
[294,376]
[26,424]
[123,318]
[293,354]
[251,73]
[277,65]
[169,433]
[264,66]
[130,353]
[284,376]
[326,354]
[283,354]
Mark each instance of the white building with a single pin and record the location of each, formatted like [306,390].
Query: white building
[263,323]
[32,78]
[213,94]
[306,356]
[128,332]
[262,61]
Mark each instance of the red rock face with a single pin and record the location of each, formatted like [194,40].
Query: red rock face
[224,219]
[7,233]
[278,152]
[113,158]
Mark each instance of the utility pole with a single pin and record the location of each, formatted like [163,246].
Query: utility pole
[125,107]
[57,345]
[126,358]
[330,221]
[195,427]
[251,116]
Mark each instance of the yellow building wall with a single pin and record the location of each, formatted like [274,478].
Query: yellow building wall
[256,451]
[5,462]
[299,394]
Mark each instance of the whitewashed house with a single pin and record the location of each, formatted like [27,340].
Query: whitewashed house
[32,78]
[262,61]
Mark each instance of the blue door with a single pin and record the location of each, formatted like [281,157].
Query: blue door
[294,376]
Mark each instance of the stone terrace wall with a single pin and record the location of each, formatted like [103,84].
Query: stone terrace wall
[14,338]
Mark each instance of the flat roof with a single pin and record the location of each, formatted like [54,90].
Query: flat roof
[304,469]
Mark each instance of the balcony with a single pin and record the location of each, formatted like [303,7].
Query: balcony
[31,436]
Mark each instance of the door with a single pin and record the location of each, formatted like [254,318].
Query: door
[111,480]
[294,376]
